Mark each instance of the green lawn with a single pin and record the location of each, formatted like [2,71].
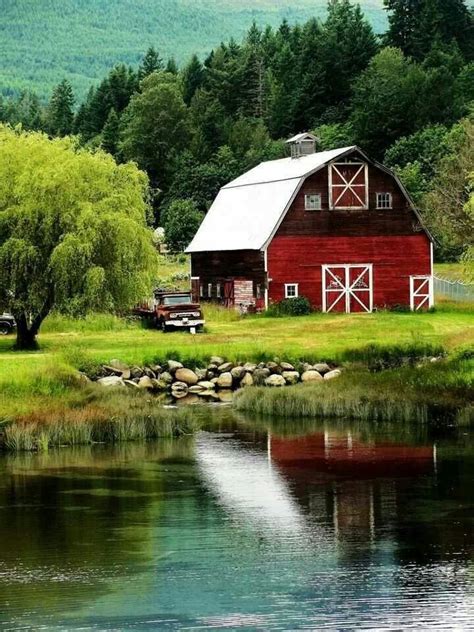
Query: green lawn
[43,378]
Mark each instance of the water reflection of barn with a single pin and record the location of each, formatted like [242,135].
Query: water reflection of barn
[349,480]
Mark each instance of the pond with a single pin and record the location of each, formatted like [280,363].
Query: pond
[255,526]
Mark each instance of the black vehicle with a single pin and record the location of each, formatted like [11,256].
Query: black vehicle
[7,324]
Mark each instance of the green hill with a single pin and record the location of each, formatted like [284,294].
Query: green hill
[43,41]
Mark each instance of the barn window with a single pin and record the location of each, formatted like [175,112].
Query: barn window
[312,202]
[291,290]
[218,290]
[384,200]
[348,185]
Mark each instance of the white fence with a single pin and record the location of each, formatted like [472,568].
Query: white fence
[454,290]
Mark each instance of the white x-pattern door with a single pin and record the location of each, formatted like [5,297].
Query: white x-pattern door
[347,288]
[421,292]
[348,185]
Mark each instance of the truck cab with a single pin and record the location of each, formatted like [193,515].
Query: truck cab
[176,310]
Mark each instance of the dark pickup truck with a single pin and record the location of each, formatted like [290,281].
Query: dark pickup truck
[173,310]
[7,324]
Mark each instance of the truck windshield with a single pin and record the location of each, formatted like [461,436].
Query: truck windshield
[177,299]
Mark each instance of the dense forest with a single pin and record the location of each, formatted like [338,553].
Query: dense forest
[406,97]
[82,39]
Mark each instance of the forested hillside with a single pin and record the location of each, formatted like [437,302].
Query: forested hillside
[407,98]
[41,40]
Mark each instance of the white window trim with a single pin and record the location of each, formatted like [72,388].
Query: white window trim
[333,203]
[390,201]
[296,286]
[307,205]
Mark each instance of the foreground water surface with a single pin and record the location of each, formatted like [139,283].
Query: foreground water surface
[334,527]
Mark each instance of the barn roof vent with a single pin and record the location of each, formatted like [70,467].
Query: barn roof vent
[302,144]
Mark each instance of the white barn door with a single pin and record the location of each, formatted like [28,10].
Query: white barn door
[421,292]
[347,288]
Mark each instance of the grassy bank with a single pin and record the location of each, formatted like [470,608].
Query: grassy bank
[44,385]
[441,392]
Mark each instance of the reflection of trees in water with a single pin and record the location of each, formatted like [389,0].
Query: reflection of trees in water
[74,520]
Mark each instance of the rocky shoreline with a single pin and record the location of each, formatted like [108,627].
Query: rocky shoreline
[175,378]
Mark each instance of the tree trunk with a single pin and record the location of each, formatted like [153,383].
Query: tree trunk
[25,335]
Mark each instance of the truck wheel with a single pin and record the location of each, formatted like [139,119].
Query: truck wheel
[163,326]
[5,329]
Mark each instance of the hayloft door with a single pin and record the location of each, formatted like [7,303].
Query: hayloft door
[347,288]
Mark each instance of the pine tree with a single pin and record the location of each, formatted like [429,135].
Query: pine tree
[192,78]
[172,66]
[151,62]
[110,133]
[60,114]
[415,24]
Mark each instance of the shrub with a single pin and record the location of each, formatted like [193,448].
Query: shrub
[299,306]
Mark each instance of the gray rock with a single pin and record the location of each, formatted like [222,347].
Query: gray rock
[224,380]
[149,373]
[160,384]
[146,383]
[212,367]
[111,381]
[286,366]
[173,366]
[214,380]
[322,368]
[156,368]
[109,370]
[119,366]
[225,396]
[179,394]
[201,373]
[273,366]
[197,388]
[131,384]
[261,365]
[187,376]
[225,367]
[179,386]
[332,374]
[238,372]
[212,394]
[260,375]
[207,386]
[291,377]
[136,371]
[275,380]
[311,376]
[247,380]
[217,360]
[250,367]
[166,377]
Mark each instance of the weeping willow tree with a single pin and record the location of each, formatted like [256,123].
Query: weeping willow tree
[73,231]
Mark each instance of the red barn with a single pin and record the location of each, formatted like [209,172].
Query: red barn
[333,226]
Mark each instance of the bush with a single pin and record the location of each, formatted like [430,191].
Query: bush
[299,306]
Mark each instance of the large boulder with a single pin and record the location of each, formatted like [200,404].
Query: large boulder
[111,381]
[311,376]
[332,374]
[238,372]
[250,367]
[225,367]
[275,380]
[322,368]
[187,376]
[146,383]
[260,375]
[247,380]
[207,386]
[217,360]
[225,380]
[173,366]
[291,377]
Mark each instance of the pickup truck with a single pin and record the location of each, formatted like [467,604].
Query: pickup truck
[7,324]
[173,310]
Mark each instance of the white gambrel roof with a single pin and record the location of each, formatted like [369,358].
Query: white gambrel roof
[246,211]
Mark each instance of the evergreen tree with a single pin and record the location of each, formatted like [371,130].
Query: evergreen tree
[192,78]
[415,24]
[110,133]
[60,114]
[151,62]
[171,66]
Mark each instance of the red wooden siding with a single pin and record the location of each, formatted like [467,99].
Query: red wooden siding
[298,259]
